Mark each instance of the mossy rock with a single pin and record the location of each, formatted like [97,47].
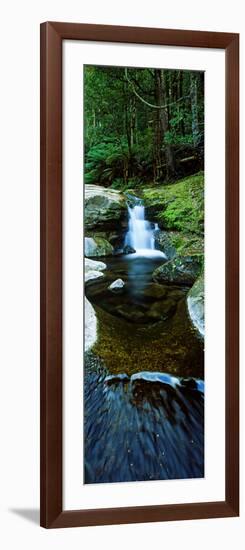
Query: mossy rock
[182,270]
[97,246]
[103,208]
[178,206]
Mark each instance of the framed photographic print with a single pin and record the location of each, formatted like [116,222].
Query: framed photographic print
[139,275]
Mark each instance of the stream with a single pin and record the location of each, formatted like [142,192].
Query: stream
[144,390]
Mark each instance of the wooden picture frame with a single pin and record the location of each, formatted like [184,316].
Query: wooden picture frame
[52,35]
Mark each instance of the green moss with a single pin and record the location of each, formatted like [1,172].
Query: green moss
[181,204]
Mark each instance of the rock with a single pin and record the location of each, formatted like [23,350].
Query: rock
[97,246]
[128,249]
[93,265]
[104,208]
[92,275]
[159,377]
[160,311]
[116,285]
[182,270]
[176,294]
[176,243]
[153,291]
[114,237]
[93,269]
[124,250]
[116,378]
[118,252]
[90,325]
[177,206]
[165,241]
[195,302]
[131,313]
[193,384]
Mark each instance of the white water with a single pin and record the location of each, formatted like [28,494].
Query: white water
[140,235]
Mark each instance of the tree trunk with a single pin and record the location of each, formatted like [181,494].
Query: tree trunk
[180,94]
[194,109]
[157,133]
[170,171]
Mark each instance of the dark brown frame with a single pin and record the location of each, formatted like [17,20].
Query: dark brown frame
[52,35]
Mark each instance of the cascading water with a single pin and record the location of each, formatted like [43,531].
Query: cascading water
[140,234]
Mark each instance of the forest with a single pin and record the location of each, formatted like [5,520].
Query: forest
[142,125]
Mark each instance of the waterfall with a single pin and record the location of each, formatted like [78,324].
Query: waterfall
[140,234]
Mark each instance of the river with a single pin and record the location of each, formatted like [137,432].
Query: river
[148,427]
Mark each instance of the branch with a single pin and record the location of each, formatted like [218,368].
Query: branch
[151,105]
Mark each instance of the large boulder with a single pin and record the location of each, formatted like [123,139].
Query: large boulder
[165,241]
[182,270]
[93,270]
[90,325]
[97,246]
[195,302]
[104,208]
[177,243]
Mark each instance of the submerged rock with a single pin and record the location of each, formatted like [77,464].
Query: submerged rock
[131,313]
[104,208]
[117,285]
[181,270]
[195,302]
[153,291]
[162,310]
[97,246]
[90,325]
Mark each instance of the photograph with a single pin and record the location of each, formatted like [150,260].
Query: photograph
[143,218]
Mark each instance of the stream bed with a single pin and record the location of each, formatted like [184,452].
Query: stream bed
[144,325]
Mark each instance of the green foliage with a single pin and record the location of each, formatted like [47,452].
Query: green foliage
[127,135]
[104,163]
[118,184]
